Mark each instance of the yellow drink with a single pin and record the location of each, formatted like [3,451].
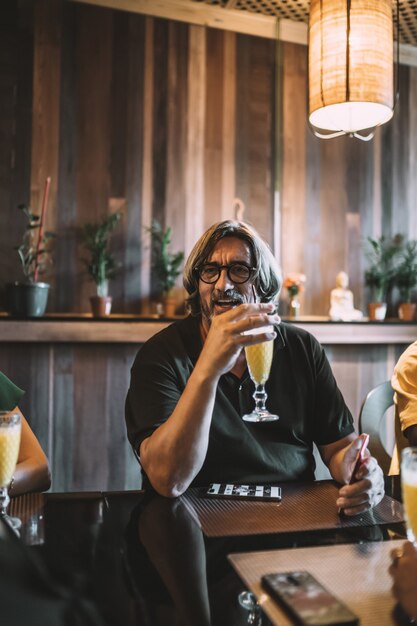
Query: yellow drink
[259,359]
[9,450]
[409,489]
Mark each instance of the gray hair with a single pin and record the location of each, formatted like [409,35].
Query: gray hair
[267,276]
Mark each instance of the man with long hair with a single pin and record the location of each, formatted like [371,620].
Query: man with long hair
[190,385]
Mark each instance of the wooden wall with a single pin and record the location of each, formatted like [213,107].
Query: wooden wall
[161,119]
[74,402]
[335,193]
[179,123]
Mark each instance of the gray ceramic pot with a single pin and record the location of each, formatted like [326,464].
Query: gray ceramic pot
[27,299]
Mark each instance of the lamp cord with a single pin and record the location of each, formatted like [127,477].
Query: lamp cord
[348,7]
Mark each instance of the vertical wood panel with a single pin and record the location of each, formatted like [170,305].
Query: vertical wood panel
[353,265]
[147,191]
[359,189]
[94,42]
[255,132]
[228,187]
[293,199]
[16,52]
[213,128]
[119,99]
[242,122]
[90,468]
[123,466]
[333,208]
[412,161]
[160,119]
[66,269]
[313,226]
[46,103]
[64,443]
[176,136]
[135,253]
[119,95]
[398,213]
[194,169]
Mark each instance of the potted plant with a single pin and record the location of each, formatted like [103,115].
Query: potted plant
[28,298]
[165,264]
[380,273]
[101,265]
[406,280]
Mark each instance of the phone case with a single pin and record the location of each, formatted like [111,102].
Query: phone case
[244,492]
[307,601]
[359,459]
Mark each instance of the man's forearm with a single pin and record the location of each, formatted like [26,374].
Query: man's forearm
[337,467]
[174,454]
[333,456]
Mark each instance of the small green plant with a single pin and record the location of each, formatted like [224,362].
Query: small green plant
[166,264]
[380,274]
[34,253]
[406,271]
[101,265]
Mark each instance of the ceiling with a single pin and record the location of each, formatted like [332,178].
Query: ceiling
[298,10]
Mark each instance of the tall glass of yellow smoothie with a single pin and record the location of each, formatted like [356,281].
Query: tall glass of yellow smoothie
[259,359]
[9,450]
[409,490]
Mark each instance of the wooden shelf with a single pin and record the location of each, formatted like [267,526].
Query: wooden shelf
[135,329]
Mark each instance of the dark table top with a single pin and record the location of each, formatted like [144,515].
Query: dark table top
[130,558]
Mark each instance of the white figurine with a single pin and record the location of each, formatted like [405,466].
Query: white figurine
[341,301]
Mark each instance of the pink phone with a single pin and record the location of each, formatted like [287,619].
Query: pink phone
[359,458]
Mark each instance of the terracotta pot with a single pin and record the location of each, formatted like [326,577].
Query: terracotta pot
[407,311]
[170,305]
[377,311]
[100,306]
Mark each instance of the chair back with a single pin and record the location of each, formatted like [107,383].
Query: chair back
[371,415]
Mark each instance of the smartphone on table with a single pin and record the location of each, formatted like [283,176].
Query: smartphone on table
[307,601]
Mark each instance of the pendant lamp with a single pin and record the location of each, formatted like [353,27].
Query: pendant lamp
[350,66]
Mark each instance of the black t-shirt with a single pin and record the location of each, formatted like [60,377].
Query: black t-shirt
[301,390]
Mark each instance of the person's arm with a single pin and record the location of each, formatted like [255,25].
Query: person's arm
[411,434]
[404,384]
[173,455]
[368,488]
[404,574]
[32,470]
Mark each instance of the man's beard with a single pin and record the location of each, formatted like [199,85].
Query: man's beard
[231,296]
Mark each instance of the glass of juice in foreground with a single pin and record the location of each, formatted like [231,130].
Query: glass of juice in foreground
[9,450]
[259,359]
[409,491]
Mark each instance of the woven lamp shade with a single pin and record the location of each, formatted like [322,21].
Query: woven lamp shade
[350,64]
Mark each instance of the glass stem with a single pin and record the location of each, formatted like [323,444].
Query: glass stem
[4,501]
[260,397]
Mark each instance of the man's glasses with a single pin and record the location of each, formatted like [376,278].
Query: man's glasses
[237,273]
